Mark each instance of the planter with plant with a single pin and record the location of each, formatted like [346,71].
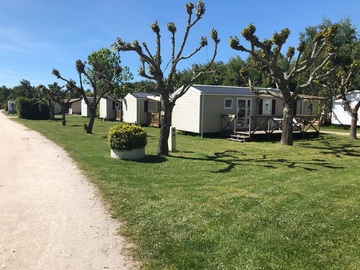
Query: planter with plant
[127,141]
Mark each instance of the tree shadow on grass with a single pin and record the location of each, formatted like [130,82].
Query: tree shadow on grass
[153,159]
[332,147]
[233,158]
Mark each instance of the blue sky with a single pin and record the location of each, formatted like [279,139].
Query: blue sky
[39,35]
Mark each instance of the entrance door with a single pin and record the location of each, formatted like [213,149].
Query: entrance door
[243,112]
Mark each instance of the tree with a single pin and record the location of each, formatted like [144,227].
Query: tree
[232,74]
[268,55]
[48,97]
[4,96]
[346,76]
[103,75]
[55,94]
[152,69]
[24,89]
[214,76]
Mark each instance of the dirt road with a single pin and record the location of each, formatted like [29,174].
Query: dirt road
[50,216]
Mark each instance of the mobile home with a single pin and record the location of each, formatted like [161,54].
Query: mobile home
[339,115]
[214,109]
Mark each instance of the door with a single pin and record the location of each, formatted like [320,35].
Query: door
[243,112]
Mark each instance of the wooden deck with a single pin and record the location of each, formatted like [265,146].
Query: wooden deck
[267,125]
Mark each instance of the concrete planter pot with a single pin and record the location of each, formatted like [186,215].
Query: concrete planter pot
[134,154]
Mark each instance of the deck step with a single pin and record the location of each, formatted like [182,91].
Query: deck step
[236,140]
[239,137]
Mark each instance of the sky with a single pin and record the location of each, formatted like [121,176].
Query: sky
[39,35]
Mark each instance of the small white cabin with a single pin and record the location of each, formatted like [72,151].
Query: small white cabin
[339,115]
[75,106]
[11,106]
[141,108]
[84,108]
[109,106]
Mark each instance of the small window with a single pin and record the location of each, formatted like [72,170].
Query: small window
[152,107]
[267,107]
[228,103]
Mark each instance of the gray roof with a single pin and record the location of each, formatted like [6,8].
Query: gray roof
[140,94]
[226,90]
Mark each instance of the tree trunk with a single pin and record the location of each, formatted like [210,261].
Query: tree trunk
[88,128]
[165,120]
[287,124]
[51,112]
[353,127]
[63,120]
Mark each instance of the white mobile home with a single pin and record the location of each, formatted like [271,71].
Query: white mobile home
[74,106]
[84,108]
[339,115]
[141,108]
[109,105]
[11,106]
[213,109]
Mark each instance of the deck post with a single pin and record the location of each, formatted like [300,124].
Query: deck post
[250,125]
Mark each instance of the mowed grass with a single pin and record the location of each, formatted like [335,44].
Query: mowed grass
[218,204]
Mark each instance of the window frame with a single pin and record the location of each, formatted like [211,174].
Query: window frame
[231,105]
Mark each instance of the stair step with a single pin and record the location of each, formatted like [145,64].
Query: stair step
[239,136]
[236,140]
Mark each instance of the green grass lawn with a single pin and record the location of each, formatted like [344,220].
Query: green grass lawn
[218,204]
[335,128]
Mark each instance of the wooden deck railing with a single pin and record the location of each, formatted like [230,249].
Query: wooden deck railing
[269,124]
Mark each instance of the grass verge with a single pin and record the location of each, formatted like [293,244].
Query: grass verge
[217,204]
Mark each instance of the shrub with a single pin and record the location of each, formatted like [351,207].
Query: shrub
[127,137]
[31,109]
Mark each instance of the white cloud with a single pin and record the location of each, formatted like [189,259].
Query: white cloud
[20,41]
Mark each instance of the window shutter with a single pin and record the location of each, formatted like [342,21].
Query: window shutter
[260,108]
[146,106]
[273,107]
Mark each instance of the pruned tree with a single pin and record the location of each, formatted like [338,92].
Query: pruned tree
[346,77]
[268,54]
[54,94]
[344,83]
[152,69]
[46,96]
[104,74]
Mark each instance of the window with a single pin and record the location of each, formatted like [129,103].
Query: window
[150,106]
[228,103]
[266,106]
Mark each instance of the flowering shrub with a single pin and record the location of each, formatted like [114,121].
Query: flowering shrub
[127,137]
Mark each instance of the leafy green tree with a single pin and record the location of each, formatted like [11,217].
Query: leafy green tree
[103,75]
[4,96]
[267,54]
[214,76]
[346,78]
[140,86]
[346,63]
[24,89]
[152,68]
[232,72]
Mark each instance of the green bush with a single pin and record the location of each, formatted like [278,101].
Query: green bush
[31,109]
[127,137]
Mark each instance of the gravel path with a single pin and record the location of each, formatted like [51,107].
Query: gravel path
[50,216]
